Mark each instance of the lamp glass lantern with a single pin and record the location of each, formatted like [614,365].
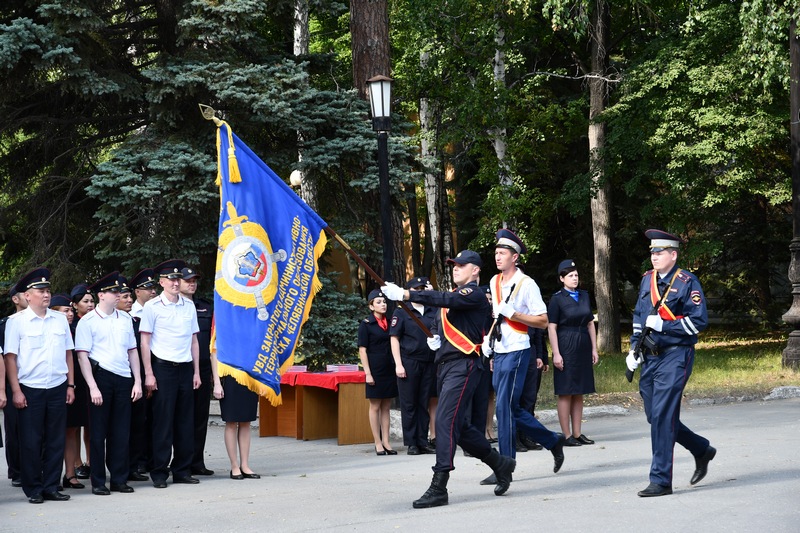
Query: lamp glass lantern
[380,98]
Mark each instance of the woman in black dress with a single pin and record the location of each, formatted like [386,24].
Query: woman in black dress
[78,411]
[574,344]
[376,358]
[238,406]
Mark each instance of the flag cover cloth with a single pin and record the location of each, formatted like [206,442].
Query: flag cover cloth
[266,275]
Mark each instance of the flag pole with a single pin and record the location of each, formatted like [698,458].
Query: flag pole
[374,275]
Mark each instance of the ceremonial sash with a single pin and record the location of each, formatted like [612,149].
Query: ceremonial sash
[457,338]
[519,327]
[663,311]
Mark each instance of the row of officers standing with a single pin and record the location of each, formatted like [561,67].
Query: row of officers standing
[481,337]
[133,369]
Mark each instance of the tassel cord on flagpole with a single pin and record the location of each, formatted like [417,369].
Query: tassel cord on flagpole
[374,275]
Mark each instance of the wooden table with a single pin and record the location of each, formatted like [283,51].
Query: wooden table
[321,405]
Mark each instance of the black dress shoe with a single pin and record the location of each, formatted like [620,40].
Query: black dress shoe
[382,452]
[530,443]
[16,482]
[654,489]
[202,472]
[101,490]
[583,439]
[69,484]
[558,453]
[519,446]
[136,476]
[432,442]
[83,471]
[36,498]
[701,464]
[237,476]
[251,475]
[160,484]
[412,450]
[572,441]
[426,450]
[391,452]
[55,496]
[124,487]
[186,480]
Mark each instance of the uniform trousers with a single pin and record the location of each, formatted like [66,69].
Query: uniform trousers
[414,392]
[11,427]
[110,427]
[457,381]
[202,406]
[42,431]
[508,380]
[479,404]
[140,435]
[661,385]
[530,388]
[173,419]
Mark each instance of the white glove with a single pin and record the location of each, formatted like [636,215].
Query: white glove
[505,309]
[631,361]
[434,342]
[654,322]
[428,286]
[486,349]
[393,292]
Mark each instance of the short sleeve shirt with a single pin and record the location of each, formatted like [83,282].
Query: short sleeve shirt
[527,300]
[107,339]
[172,326]
[40,344]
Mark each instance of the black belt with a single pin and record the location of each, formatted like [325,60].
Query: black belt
[164,362]
[664,351]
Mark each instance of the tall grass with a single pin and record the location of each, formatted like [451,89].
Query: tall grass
[726,365]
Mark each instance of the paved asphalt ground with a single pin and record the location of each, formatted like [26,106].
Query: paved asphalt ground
[752,485]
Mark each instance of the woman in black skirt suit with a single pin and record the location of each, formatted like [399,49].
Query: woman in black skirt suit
[574,344]
[376,358]
[238,406]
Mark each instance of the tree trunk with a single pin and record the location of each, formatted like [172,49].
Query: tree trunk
[413,222]
[608,331]
[369,27]
[499,133]
[308,186]
[438,223]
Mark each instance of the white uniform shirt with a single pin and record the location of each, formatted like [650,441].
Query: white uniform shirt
[137,309]
[527,300]
[40,344]
[107,338]
[172,326]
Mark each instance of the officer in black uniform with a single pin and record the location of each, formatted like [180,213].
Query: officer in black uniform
[10,414]
[415,369]
[202,395]
[670,312]
[141,444]
[464,323]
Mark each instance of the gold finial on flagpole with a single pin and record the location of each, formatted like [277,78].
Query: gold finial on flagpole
[209,113]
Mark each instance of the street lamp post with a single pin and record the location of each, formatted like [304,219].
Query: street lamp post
[380,97]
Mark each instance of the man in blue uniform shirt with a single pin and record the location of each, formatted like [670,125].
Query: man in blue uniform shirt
[671,310]
[465,319]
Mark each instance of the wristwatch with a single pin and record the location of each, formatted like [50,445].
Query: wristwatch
[71,385]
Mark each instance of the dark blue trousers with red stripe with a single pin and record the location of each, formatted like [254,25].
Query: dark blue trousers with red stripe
[457,381]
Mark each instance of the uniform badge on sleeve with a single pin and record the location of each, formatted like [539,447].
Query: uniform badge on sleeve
[697,299]
[394,321]
[465,291]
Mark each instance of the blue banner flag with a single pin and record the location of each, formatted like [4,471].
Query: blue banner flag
[266,278]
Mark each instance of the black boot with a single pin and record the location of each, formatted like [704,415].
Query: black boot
[436,494]
[502,467]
